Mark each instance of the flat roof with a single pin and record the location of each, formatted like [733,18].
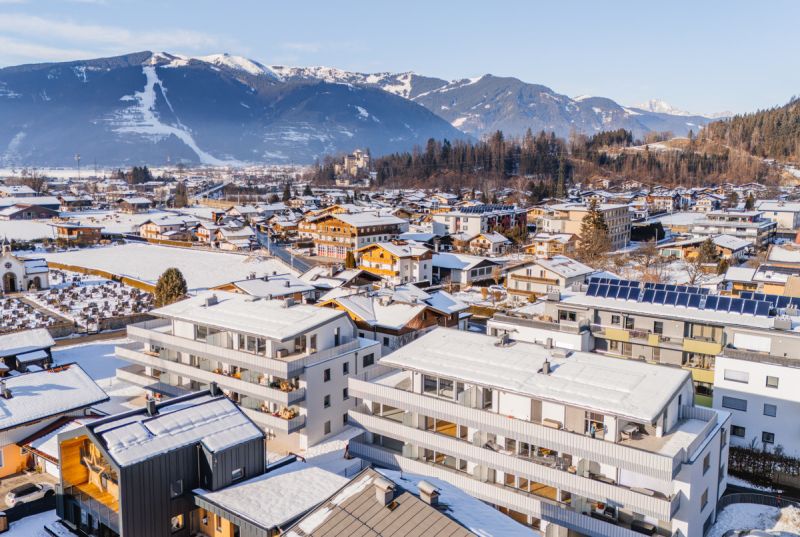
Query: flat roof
[251,315]
[609,385]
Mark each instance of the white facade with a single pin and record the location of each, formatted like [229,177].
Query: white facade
[286,365]
[540,434]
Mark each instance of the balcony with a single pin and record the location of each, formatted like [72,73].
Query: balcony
[274,422]
[630,457]
[759,357]
[546,470]
[101,512]
[534,279]
[702,346]
[494,493]
[134,353]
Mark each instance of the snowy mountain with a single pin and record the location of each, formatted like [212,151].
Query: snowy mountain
[662,107]
[154,107]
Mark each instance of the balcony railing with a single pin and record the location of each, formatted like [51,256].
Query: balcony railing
[99,510]
[273,422]
[494,493]
[630,457]
[651,505]
[759,357]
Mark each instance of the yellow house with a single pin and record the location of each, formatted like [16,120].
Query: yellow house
[397,261]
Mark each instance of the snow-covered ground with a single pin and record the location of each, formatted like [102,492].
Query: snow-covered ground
[85,299]
[114,221]
[26,230]
[146,262]
[17,315]
[746,516]
[739,482]
[96,358]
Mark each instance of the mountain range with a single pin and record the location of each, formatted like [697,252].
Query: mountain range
[155,108]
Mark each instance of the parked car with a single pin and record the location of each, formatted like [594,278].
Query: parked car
[29,492]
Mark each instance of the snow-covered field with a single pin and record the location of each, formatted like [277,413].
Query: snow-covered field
[146,262]
[85,299]
[746,516]
[26,230]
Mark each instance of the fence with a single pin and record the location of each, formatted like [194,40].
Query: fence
[22,510]
[758,499]
[142,286]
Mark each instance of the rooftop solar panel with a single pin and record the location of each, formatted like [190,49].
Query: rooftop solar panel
[711,302]
[763,308]
[736,305]
[723,303]
[694,300]
[648,295]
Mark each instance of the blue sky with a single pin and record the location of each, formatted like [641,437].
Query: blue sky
[702,56]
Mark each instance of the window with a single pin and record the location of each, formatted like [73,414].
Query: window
[767,437]
[629,323]
[345,394]
[658,327]
[772,382]
[237,474]
[176,488]
[326,375]
[346,368]
[770,410]
[369,359]
[218,522]
[313,344]
[327,428]
[616,319]
[176,523]
[737,376]
[200,332]
[326,401]
[737,431]
[344,419]
[446,388]
[734,403]
[564,315]
[385,341]
[706,463]
[704,499]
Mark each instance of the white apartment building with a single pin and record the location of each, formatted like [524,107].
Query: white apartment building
[568,218]
[286,364]
[785,214]
[477,219]
[563,441]
[748,225]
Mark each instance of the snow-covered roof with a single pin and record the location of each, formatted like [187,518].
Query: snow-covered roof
[35,266]
[446,303]
[135,201]
[277,497]
[784,253]
[730,242]
[778,206]
[367,219]
[215,422]
[739,274]
[619,387]
[400,249]
[48,393]
[562,238]
[493,237]
[250,315]
[453,261]
[564,266]
[581,207]
[276,286]
[378,311]
[25,341]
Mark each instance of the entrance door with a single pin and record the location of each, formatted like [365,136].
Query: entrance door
[10,282]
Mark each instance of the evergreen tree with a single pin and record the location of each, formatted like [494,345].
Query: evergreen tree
[707,252]
[594,240]
[171,287]
[287,192]
[560,186]
[350,260]
[307,190]
[749,202]
[181,195]
[273,198]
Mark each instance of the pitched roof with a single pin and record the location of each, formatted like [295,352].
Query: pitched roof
[25,341]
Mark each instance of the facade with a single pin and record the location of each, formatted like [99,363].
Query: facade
[552,244]
[134,205]
[397,262]
[536,278]
[352,164]
[489,244]
[336,234]
[572,440]
[285,364]
[134,473]
[22,274]
[748,225]
[568,217]
[462,269]
[78,233]
[477,219]
[785,214]
[27,212]
[175,228]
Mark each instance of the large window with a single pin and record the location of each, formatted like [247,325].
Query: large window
[737,376]
[429,385]
[369,359]
[564,315]
[734,403]
[770,410]
[738,431]
[767,437]
[772,382]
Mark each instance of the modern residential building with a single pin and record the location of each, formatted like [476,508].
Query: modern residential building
[573,440]
[134,474]
[490,244]
[785,214]
[568,217]
[748,225]
[535,278]
[397,262]
[551,244]
[335,234]
[476,219]
[463,270]
[285,364]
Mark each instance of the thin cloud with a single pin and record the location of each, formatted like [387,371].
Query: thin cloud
[307,47]
[14,51]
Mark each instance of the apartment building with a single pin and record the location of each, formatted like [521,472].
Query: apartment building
[749,225]
[577,441]
[551,244]
[568,217]
[785,214]
[536,278]
[335,234]
[476,219]
[397,262]
[285,364]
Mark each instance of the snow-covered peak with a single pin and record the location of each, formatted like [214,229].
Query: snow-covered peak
[661,107]
[238,63]
[580,98]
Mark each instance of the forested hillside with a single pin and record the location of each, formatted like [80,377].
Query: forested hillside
[773,133]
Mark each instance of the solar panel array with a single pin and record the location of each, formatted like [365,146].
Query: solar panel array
[686,296]
[777,301]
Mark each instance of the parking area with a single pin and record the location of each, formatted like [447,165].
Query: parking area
[14,481]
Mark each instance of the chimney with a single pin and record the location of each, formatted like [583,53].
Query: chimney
[549,343]
[213,388]
[384,491]
[211,300]
[4,391]
[428,493]
[287,284]
[151,407]
[546,367]
[288,302]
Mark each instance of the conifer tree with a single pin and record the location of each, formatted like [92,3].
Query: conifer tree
[594,239]
[749,202]
[171,287]
[350,260]
[287,192]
